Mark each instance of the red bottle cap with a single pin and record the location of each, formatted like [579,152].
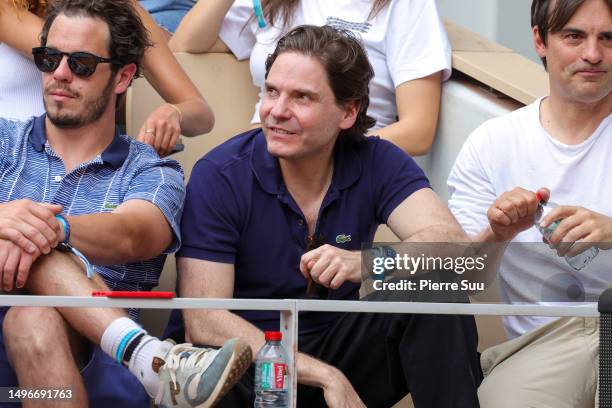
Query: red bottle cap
[273,336]
[539,197]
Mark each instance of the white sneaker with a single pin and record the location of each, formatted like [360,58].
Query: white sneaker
[198,377]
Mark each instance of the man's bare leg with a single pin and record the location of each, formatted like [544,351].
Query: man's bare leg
[63,275]
[42,343]
[40,334]
[119,337]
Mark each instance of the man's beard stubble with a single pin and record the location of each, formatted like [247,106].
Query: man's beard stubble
[93,109]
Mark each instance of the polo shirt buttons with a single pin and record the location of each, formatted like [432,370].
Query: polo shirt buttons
[301,222]
[57,178]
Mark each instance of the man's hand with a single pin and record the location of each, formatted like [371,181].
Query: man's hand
[14,265]
[337,389]
[339,393]
[579,226]
[331,266]
[513,212]
[162,129]
[31,226]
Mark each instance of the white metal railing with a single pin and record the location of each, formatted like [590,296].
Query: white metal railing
[289,308]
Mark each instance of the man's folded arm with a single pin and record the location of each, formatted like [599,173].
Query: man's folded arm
[136,230]
[423,217]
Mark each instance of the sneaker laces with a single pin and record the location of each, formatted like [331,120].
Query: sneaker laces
[185,356]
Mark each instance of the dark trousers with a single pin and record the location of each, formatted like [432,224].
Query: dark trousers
[386,356]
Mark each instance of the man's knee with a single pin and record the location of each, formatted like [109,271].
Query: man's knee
[493,394]
[33,329]
[504,390]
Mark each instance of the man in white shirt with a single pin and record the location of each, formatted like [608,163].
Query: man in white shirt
[560,147]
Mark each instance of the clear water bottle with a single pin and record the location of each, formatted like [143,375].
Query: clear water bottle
[271,377]
[578,261]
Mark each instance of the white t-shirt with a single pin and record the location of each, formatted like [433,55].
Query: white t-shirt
[405,41]
[516,151]
[20,86]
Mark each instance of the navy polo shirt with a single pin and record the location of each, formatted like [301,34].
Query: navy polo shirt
[239,211]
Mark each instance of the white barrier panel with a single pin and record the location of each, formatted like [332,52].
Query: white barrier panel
[289,309]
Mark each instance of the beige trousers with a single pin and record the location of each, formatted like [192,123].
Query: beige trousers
[553,366]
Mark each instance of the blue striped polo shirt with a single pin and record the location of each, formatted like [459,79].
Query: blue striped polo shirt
[125,170]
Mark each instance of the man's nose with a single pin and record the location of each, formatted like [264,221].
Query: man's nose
[281,109]
[63,72]
[592,51]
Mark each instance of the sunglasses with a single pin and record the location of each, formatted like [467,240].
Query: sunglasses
[81,63]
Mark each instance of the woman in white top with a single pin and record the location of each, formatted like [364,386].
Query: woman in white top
[405,41]
[21,89]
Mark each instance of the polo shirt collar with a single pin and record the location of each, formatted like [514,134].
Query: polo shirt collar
[114,154]
[37,135]
[347,166]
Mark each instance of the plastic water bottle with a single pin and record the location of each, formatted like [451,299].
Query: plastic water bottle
[578,261]
[271,377]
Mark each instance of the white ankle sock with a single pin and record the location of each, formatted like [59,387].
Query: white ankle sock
[145,365]
[141,362]
[115,333]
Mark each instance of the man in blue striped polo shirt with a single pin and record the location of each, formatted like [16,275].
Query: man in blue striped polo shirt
[69,180]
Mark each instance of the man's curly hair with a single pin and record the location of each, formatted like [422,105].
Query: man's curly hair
[128,36]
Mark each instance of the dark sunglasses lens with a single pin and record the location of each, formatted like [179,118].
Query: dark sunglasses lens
[47,60]
[82,63]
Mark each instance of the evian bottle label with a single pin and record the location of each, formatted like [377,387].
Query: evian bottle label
[273,376]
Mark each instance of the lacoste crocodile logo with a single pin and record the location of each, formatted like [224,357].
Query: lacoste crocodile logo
[343,239]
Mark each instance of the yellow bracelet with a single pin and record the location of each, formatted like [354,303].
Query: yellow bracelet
[176,108]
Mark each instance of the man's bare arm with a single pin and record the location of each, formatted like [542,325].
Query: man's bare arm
[136,230]
[423,217]
[200,278]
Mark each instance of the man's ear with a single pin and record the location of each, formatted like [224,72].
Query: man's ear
[351,109]
[538,42]
[124,78]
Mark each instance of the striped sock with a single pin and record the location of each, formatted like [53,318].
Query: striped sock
[128,343]
[118,335]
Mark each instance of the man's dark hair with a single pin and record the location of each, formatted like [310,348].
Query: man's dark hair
[128,36]
[348,70]
[550,16]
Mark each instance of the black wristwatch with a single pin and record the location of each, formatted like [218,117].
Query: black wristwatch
[384,251]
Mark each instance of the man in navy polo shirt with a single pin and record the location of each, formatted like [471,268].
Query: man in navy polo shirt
[68,180]
[256,202]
